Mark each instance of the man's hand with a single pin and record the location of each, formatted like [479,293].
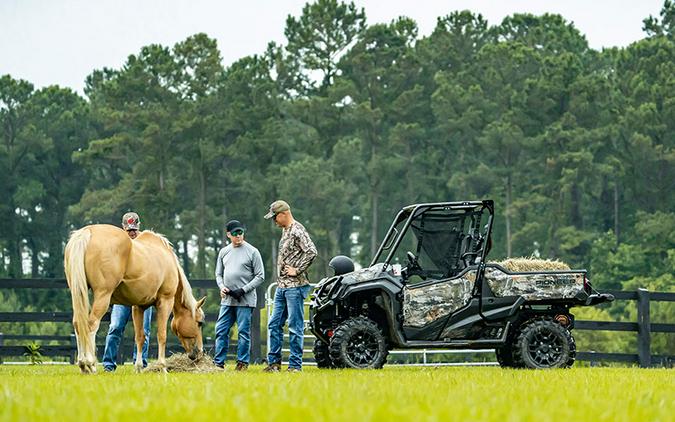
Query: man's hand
[237,293]
[223,292]
[290,271]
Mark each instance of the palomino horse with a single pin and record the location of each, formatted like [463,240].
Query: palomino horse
[141,273]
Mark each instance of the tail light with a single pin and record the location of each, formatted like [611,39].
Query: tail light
[329,333]
[563,319]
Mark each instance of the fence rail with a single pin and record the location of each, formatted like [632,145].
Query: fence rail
[643,327]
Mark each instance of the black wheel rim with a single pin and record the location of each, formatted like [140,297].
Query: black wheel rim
[545,347]
[362,348]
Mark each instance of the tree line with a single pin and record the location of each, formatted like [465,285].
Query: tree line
[348,122]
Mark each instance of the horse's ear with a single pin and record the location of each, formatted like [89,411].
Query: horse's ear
[200,302]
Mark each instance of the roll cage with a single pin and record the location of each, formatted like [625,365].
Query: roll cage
[450,235]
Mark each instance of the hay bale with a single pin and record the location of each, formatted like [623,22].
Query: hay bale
[524,264]
[180,362]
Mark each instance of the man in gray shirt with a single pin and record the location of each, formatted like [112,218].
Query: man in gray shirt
[239,270]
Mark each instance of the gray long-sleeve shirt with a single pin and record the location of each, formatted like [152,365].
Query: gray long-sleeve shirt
[240,267]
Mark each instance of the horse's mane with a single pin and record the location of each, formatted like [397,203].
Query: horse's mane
[187,298]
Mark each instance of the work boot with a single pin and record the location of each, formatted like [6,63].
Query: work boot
[241,366]
[273,367]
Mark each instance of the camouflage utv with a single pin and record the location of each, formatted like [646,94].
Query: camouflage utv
[429,286]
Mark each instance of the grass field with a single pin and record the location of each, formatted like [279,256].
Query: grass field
[394,393]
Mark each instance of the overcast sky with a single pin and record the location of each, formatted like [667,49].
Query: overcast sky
[62,41]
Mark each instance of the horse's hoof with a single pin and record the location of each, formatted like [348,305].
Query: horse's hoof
[86,368]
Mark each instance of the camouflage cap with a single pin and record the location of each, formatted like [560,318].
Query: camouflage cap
[131,221]
[276,207]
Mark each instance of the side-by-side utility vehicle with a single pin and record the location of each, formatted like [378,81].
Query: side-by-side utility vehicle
[430,286]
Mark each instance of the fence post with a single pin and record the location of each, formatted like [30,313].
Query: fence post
[255,326]
[644,328]
[121,355]
[594,362]
[73,351]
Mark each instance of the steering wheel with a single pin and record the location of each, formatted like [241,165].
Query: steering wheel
[414,268]
[466,255]
[413,264]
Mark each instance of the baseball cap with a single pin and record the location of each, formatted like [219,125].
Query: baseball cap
[131,221]
[276,207]
[233,225]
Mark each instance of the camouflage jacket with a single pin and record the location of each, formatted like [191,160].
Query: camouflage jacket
[297,250]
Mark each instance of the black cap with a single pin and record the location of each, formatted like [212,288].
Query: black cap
[233,225]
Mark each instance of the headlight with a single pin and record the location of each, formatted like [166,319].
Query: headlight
[325,287]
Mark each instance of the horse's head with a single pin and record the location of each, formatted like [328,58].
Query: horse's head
[188,329]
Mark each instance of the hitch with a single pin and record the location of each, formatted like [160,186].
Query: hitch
[599,298]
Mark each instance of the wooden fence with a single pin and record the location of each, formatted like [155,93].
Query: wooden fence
[68,348]
[643,326]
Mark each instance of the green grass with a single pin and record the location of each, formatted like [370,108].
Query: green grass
[440,394]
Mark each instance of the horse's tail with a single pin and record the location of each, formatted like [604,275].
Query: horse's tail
[73,261]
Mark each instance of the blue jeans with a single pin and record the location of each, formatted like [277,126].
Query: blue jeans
[119,317]
[227,317]
[288,304]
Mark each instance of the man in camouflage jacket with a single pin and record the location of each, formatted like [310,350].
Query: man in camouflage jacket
[296,253]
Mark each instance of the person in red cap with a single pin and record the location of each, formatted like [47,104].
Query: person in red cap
[131,224]
[120,314]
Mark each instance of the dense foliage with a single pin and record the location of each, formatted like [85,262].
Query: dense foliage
[348,122]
